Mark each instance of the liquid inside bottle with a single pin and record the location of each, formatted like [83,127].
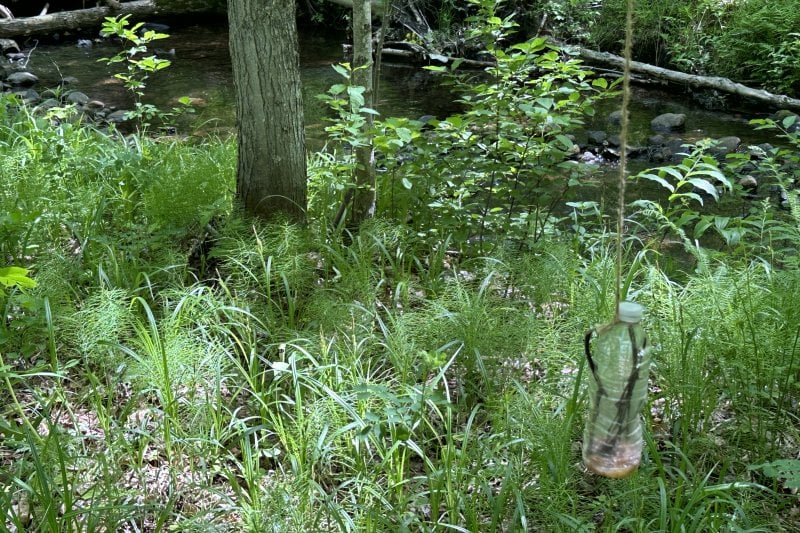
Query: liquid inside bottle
[619,364]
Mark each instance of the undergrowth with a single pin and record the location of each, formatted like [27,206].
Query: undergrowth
[182,367]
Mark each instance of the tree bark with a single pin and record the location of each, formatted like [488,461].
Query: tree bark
[271,176]
[365,191]
[72,20]
[704,82]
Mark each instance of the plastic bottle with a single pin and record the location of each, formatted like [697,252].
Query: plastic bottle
[619,365]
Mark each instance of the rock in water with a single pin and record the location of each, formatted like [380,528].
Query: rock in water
[668,122]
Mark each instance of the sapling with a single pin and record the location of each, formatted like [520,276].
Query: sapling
[139,66]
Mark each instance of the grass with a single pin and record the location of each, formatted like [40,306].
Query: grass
[181,367]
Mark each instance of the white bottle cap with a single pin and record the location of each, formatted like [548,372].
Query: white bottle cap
[630,312]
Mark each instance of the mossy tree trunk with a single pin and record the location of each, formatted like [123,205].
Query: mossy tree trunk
[271,176]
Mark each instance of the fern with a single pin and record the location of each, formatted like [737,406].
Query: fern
[104,320]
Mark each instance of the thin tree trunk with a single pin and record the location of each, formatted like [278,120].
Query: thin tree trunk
[271,176]
[364,198]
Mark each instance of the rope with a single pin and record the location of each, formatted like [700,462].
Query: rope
[623,157]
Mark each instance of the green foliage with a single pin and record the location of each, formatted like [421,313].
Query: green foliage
[771,232]
[347,101]
[502,167]
[139,67]
[759,44]
[15,277]
[688,182]
[187,186]
[691,38]
[348,133]
[268,266]
[103,319]
[565,20]
[654,24]
[754,42]
[785,470]
[304,379]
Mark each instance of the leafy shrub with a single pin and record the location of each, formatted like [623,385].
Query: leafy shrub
[759,44]
[500,171]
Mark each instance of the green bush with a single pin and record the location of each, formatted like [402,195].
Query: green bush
[500,171]
[759,44]
[751,41]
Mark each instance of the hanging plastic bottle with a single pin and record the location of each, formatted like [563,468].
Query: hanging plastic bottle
[619,364]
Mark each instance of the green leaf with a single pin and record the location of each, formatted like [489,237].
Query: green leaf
[702,226]
[732,236]
[343,70]
[356,91]
[565,142]
[707,169]
[705,186]
[658,179]
[407,184]
[672,171]
[404,134]
[16,277]
[786,469]
[691,195]
[685,218]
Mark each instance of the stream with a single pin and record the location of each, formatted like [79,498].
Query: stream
[201,70]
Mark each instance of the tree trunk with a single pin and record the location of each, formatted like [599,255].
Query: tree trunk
[364,197]
[72,20]
[271,176]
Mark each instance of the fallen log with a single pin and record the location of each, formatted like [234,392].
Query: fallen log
[72,20]
[718,83]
